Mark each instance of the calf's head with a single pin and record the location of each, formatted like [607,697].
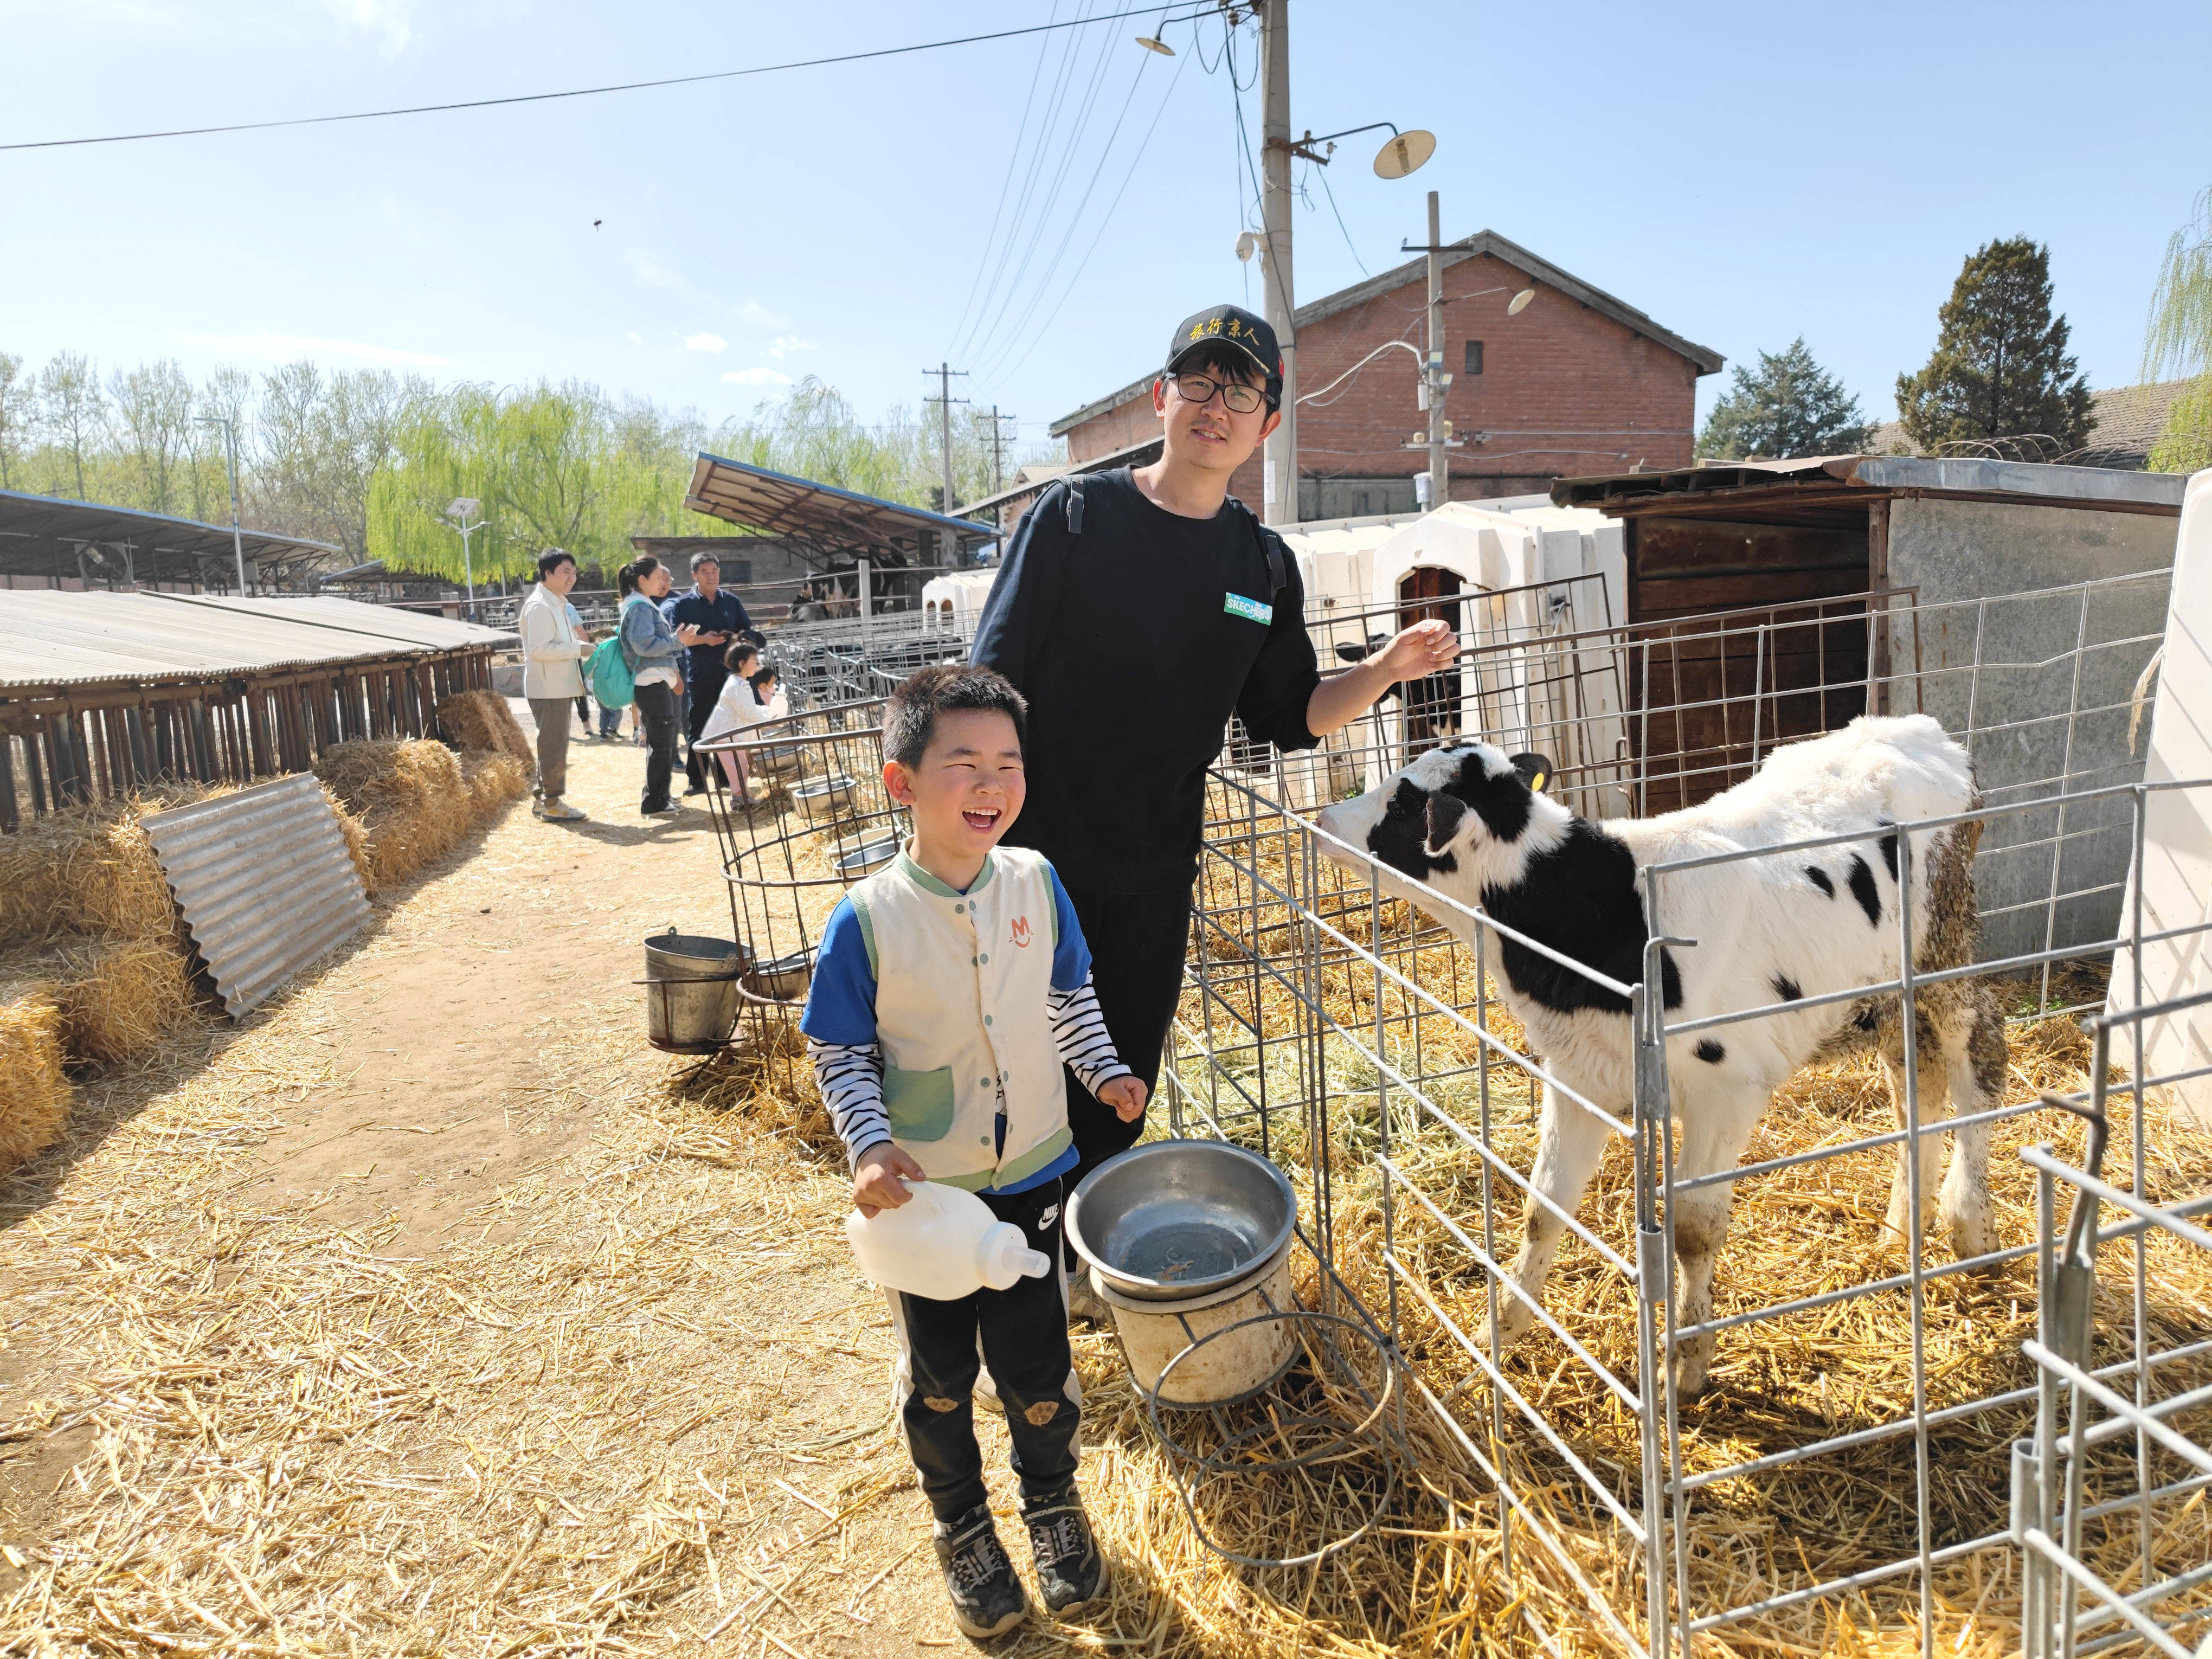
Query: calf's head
[1460,818]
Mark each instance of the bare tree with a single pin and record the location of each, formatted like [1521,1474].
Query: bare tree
[154,424]
[18,414]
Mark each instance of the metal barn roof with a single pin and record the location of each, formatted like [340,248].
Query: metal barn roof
[821,515]
[52,638]
[2055,486]
[44,535]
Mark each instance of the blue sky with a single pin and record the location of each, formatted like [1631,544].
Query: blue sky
[1742,174]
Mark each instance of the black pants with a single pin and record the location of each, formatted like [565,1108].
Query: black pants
[703,693]
[1138,942]
[1024,1332]
[656,705]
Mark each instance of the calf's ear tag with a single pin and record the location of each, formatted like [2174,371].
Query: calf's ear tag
[1534,770]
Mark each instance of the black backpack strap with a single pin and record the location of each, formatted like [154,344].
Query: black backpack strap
[1271,548]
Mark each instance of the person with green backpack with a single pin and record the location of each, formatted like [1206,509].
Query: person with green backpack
[638,665]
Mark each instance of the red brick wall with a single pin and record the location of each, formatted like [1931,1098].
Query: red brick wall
[1565,391]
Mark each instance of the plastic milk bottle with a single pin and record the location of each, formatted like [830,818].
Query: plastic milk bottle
[944,1243]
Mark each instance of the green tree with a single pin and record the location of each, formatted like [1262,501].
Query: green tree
[153,405]
[75,410]
[1790,406]
[2001,380]
[2179,341]
[18,418]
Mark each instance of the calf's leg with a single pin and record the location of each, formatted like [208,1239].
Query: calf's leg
[1715,1124]
[1569,1143]
[1975,1056]
[1928,1062]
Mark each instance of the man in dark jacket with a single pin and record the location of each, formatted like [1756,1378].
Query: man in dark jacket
[1136,618]
[720,617]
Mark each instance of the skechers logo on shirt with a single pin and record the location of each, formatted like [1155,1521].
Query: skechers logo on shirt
[1236,605]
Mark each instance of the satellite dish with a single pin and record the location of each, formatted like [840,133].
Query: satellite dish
[1245,244]
[1514,306]
[1403,152]
[1153,43]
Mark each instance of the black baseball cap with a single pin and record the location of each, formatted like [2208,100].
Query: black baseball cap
[1237,328]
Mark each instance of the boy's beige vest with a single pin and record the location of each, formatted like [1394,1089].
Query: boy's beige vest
[960,986]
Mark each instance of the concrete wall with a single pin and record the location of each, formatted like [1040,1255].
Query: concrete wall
[2034,672]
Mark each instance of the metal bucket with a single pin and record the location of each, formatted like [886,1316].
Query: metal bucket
[782,979]
[863,855]
[691,991]
[825,799]
[1235,1366]
[1185,1238]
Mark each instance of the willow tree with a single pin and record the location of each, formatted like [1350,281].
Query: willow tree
[2179,341]
[538,460]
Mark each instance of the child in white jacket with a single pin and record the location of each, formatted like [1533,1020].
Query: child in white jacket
[750,697]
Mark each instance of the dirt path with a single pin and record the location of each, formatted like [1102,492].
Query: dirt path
[414,1316]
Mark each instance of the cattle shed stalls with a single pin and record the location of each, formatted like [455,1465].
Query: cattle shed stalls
[2017,603]
[105,694]
[78,546]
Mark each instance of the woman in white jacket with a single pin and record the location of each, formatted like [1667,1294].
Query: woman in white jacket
[552,676]
[750,697]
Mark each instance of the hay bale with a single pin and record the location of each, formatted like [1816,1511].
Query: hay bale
[120,996]
[481,720]
[493,780]
[35,1093]
[88,870]
[356,841]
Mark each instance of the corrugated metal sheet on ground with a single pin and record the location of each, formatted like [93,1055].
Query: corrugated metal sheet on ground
[265,881]
[48,637]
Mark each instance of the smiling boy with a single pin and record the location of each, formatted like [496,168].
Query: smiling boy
[950,988]
[1136,610]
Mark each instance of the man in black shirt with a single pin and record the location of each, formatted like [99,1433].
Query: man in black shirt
[1136,609]
[720,617]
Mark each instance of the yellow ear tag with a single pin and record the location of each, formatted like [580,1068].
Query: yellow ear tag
[1537,782]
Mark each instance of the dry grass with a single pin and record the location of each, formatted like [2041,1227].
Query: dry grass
[34,1092]
[88,870]
[481,720]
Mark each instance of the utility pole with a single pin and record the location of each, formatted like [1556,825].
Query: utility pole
[945,402]
[1280,494]
[1435,377]
[998,450]
[229,425]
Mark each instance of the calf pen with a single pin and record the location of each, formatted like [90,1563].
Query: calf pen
[1848,1470]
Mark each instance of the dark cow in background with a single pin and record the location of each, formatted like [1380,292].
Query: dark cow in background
[1472,823]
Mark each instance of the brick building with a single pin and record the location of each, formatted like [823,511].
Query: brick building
[1578,383]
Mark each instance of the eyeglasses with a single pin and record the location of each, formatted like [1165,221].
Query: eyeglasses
[1234,394]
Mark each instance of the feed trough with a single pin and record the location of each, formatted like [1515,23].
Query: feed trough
[783,980]
[863,855]
[1189,1243]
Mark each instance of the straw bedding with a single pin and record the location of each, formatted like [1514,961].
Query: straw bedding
[417,799]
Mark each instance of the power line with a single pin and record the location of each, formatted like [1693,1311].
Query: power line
[1037,72]
[579,92]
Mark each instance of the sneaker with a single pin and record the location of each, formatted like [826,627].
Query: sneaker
[1084,1303]
[1070,1570]
[694,789]
[988,1600]
[671,810]
[985,1394]
[558,810]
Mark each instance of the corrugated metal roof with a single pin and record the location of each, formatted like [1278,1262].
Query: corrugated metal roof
[2087,486]
[40,535]
[821,515]
[265,881]
[48,637]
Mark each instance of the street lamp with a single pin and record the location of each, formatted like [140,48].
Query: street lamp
[458,510]
[229,425]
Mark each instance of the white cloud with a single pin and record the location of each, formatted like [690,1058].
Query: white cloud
[760,316]
[264,344]
[388,19]
[636,339]
[786,343]
[703,342]
[755,376]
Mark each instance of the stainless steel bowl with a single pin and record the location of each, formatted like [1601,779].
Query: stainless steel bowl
[784,978]
[1181,1218]
[826,798]
[860,858]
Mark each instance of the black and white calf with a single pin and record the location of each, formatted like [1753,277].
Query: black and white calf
[1466,820]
